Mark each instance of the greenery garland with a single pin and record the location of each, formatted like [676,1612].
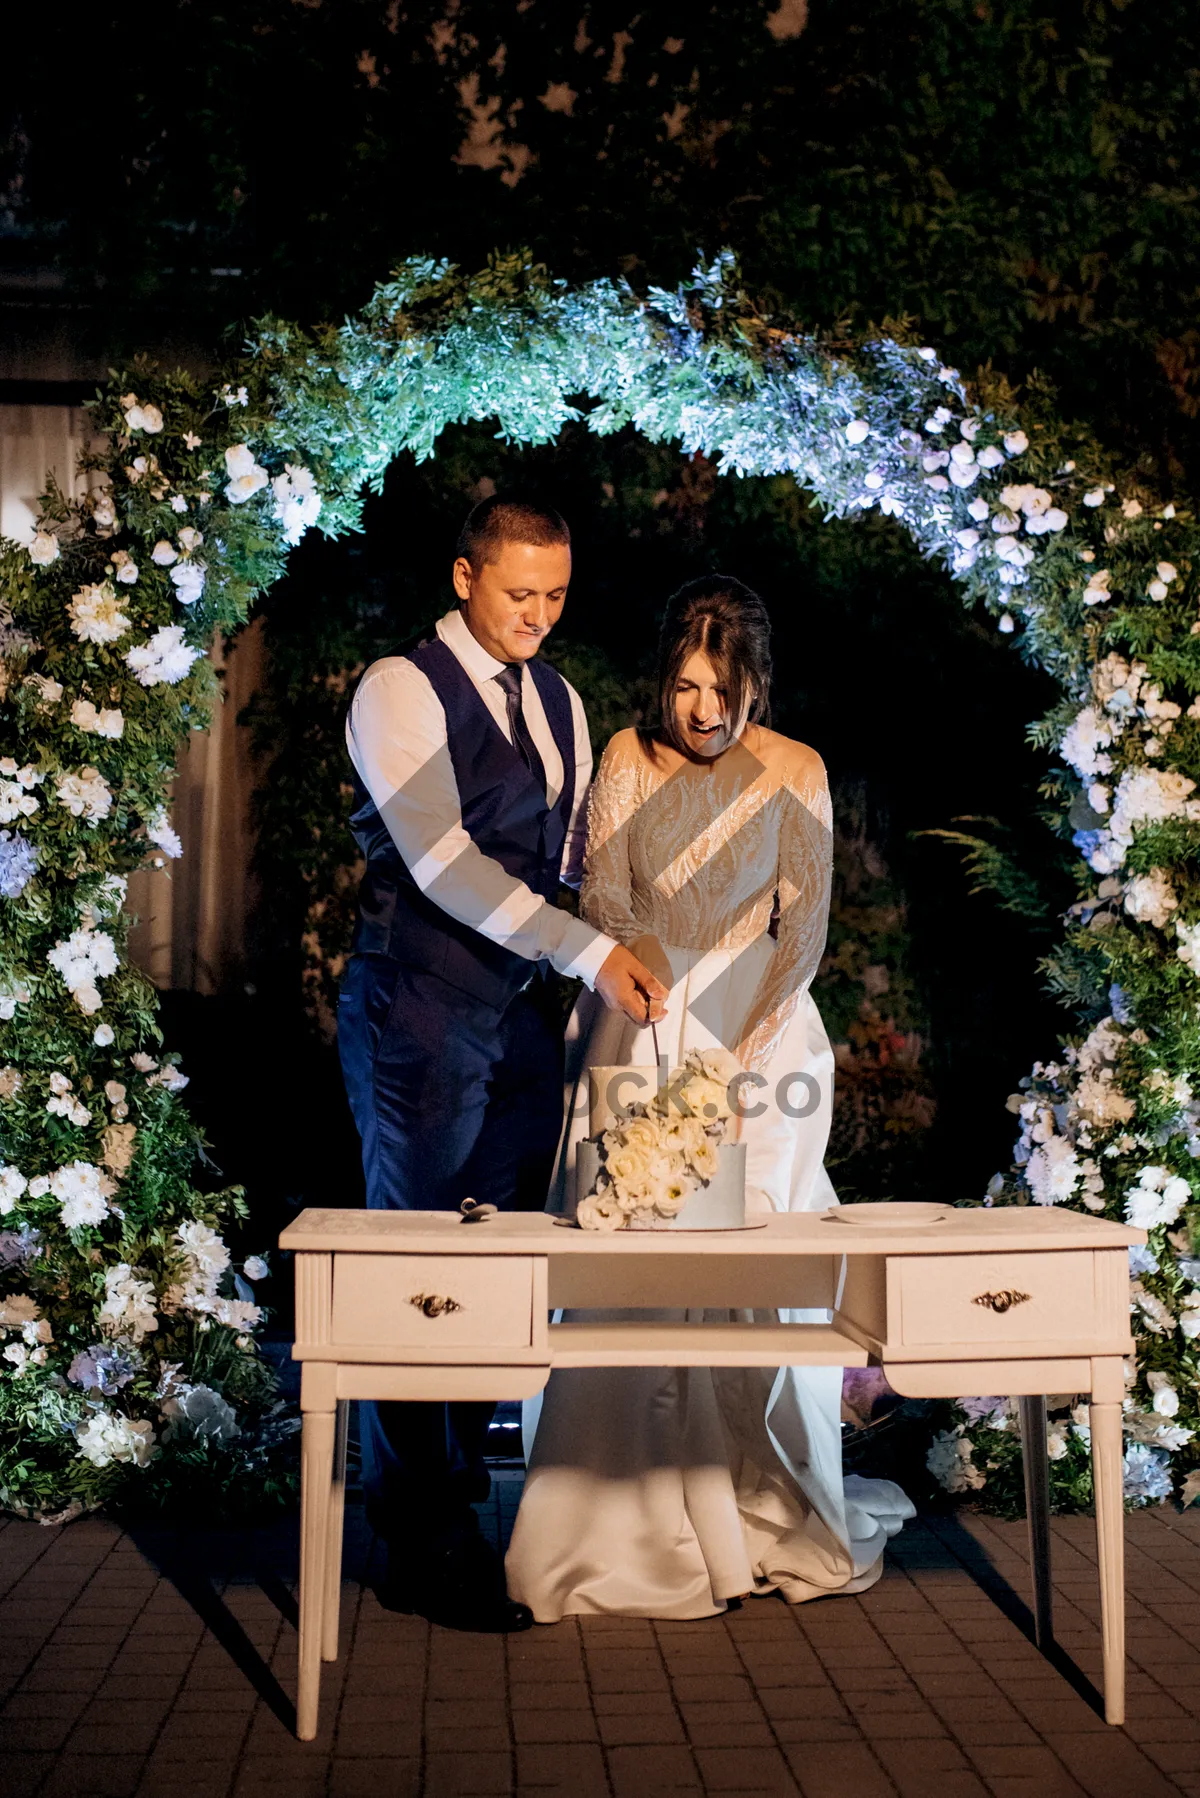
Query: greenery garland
[129,1353]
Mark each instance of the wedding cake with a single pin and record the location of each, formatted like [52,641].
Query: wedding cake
[662,1163]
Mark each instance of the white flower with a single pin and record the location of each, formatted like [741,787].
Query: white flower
[103,1035]
[1166,1399]
[205,1250]
[191,440]
[1166,571]
[1052,1171]
[246,476]
[129,1304]
[1095,497]
[12,994]
[1097,590]
[141,418]
[48,691]
[82,1192]
[15,802]
[85,795]
[990,457]
[949,1461]
[978,508]
[106,1436]
[108,722]
[1085,741]
[1150,898]
[126,567]
[160,833]
[1157,589]
[165,658]
[200,1412]
[163,553]
[1131,508]
[44,549]
[1006,623]
[235,398]
[1158,1198]
[86,957]
[1189,945]
[1146,796]
[938,420]
[857,430]
[145,1064]
[190,539]
[96,616]
[170,1078]
[1056,1442]
[1016,443]
[12,1186]
[188,580]
[255,1268]
[178,503]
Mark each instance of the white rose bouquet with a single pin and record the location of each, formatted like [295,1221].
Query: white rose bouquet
[657,1153]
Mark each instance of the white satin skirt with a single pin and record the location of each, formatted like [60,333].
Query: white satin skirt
[664,1492]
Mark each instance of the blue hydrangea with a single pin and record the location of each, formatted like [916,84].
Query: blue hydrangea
[1085,841]
[18,1246]
[18,863]
[1147,1473]
[101,1368]
[1118,1000]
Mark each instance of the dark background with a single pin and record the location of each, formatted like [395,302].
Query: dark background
[1021,179]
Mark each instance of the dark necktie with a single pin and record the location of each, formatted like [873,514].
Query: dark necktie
[509,682]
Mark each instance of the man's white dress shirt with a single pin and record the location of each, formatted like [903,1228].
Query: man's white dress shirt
[396,731]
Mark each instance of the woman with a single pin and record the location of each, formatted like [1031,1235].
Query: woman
[667,1492]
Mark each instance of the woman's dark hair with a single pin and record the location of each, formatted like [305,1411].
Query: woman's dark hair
[729,623]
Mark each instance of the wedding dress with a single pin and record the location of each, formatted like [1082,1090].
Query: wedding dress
[660,1492]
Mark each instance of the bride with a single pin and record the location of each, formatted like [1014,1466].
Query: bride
[666,1492]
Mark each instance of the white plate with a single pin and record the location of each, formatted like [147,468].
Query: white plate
[895,1214]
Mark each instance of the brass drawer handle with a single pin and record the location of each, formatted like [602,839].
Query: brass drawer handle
[1001,1301]
[433,1305]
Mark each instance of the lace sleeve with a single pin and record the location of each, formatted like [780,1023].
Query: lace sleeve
[805,879]
[606,897]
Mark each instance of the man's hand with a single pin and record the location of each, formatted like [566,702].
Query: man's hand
[625,984]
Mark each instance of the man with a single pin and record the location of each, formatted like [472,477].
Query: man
[472,764]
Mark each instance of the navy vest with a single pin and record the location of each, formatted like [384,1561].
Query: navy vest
[504,812]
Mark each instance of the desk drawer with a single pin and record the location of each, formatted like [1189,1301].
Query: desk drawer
[463,1302]
[1000,1299]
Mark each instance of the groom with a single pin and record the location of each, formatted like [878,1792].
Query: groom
[471,770]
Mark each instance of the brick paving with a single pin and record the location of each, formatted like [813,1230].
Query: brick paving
[153,1665]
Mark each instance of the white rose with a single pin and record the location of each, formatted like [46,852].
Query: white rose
[1016,443]
[44,549]
[857,430]
[163,553]
[188,580]
[246,476]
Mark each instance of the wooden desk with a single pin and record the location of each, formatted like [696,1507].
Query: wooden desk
[419,1305]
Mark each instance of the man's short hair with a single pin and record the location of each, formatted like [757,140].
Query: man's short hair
[496,521]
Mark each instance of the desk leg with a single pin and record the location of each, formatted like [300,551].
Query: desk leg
[316,1480]
[333,1536]
[1108,1481]
[1037,1513]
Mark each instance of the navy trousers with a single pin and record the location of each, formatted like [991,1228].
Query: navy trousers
[453,1099]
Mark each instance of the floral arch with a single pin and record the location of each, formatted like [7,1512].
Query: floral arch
[128,1358]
